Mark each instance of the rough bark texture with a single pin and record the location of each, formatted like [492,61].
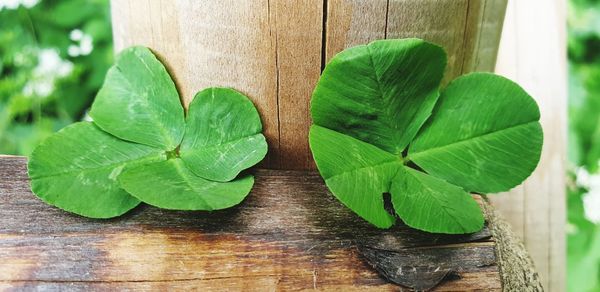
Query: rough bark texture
[289,234]
[517,268]
[273,50]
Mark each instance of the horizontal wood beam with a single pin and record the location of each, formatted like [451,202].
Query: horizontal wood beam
[290,233]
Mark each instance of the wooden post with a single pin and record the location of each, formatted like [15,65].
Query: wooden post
[273,50]
[533,53]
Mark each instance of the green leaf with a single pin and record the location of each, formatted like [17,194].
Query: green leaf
[380,93]
[357,173]
[139,102]
[170,185]
[431,204]
[372,101]
[223,135]
[484,135]
[140,121]
[76,170]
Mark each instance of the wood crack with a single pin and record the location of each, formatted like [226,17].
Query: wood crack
[67,281]
[324,35]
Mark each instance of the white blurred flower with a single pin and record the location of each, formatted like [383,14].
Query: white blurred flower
[10,4]
[74,51]
[83,43]
[14,4]
[50,67]
[29,3]
[41,88]
[591,200]
[23,57]
[591,206]
[86,45]
[50,63]
[582,177]
[76,35]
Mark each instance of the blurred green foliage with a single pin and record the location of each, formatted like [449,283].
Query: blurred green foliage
[53,58]
[583,251]
[583,266]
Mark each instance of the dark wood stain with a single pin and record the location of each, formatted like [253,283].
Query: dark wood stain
[289,234]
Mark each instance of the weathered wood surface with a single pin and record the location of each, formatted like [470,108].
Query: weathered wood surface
[273,50]
[533,53]
[289,234]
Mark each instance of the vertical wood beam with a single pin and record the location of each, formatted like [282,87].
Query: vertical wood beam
[533,53]
[298,29]
[273,50]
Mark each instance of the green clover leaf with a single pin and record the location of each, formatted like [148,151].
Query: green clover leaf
[141,148]
[138,101]
[484,135]
[223,135]
[76,170]
[180,189]
[381,93]
[382,126]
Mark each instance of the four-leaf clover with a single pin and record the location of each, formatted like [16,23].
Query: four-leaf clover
[142,147]
[381,126]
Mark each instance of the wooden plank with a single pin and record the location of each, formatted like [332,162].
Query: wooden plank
[533,54]
[469,30]
[442,22]
[354,22]
[510,204]
[298,28]
[485,20]
[289,234]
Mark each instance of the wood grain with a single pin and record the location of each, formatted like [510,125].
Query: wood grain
[354,22]
[290,234]
[273,50]
[533,53]
[298,30]
[469,30]
[484,28]
[425,19]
